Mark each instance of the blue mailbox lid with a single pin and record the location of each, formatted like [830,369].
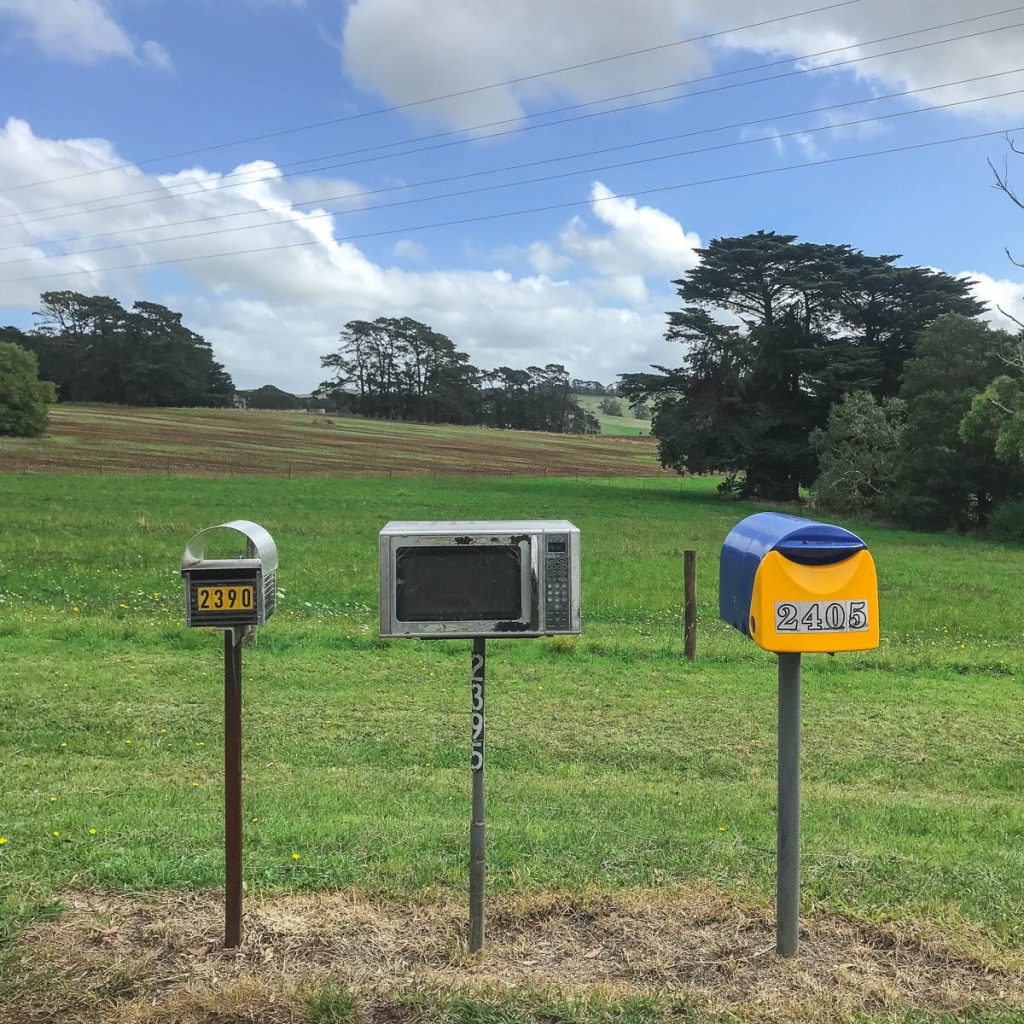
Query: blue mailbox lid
[800,540]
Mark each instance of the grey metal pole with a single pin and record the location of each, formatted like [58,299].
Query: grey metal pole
[477,837]
[787,895]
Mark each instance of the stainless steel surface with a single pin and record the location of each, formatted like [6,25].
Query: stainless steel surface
[536,593]
[257,539]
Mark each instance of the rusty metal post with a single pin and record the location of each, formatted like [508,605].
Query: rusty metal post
[690,603]
[232,790]
[477,831]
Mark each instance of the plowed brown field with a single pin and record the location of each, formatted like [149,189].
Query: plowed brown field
[119,439]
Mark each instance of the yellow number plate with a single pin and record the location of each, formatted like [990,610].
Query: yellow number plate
[225,599]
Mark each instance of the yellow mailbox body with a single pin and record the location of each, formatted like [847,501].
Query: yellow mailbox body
[816,592]
[796,586]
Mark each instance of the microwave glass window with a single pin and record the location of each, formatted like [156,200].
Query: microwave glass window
[440,583]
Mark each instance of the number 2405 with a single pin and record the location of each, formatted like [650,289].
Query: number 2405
[821,616]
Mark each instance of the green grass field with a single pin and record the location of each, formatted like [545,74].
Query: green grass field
[617,426]
[614,766]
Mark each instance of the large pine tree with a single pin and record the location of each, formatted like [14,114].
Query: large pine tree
[775,331]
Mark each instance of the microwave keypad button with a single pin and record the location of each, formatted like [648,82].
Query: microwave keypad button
[556,565]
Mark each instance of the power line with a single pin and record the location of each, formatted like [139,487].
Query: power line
[451,95]
[550,177]
[480,218]
[72,208]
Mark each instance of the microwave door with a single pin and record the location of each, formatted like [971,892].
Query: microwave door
[463,589]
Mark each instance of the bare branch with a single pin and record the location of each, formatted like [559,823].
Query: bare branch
[1011,316]
[1002,184]
[999,405]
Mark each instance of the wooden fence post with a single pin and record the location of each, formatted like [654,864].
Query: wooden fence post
[690,603]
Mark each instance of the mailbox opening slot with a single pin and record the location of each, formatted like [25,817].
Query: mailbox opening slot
[818,550]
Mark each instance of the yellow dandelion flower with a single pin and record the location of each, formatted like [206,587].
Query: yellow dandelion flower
[128,742]
[53,799]
[56,835]
[65,743]
[3,841]
[92,831]
[74,609]
[296,856]
[122,605]
[254,820]
[721,828]
[195,785]
[200,743]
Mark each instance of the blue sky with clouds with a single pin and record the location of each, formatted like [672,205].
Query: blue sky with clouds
[113,116]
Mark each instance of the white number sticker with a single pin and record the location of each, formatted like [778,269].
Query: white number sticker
[821,616]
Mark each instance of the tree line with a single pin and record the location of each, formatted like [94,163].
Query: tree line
[398,368]
[816,366]
[91,349]
[94,350]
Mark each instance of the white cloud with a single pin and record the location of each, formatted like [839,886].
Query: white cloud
[914,68]
[643,240]
[408,50]
[83,31]
[271,315]
[156,55]
[998,294]
[545,259]
[407,249]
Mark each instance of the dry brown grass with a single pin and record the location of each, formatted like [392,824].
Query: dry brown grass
[121,439]
[158,959]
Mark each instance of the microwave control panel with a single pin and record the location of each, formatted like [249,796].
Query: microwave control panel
[556,582]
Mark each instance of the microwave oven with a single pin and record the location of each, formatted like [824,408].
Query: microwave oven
[502,578]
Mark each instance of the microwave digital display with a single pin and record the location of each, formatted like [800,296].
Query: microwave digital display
[452,583]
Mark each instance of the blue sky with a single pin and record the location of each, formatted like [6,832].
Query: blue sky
[92,84]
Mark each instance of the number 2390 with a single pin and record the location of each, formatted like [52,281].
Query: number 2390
[821,616]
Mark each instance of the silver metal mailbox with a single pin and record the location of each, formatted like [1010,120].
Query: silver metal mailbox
[501,578]
[230,593]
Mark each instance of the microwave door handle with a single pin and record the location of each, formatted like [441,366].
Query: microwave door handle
[526,578]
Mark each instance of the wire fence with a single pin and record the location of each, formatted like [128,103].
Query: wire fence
[41,463]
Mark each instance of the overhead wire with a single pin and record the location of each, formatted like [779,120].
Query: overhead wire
[505,214]
[774,137]
[28,216]
[452,95]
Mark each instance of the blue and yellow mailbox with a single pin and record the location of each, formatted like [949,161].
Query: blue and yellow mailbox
[797,586]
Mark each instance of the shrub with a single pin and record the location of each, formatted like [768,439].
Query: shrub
[1007,522]
[23,396]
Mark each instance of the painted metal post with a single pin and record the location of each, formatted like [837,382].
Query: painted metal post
[232,789]
[690,603]
[477,837]
[787,894]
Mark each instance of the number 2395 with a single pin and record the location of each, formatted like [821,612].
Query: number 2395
[821,616]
